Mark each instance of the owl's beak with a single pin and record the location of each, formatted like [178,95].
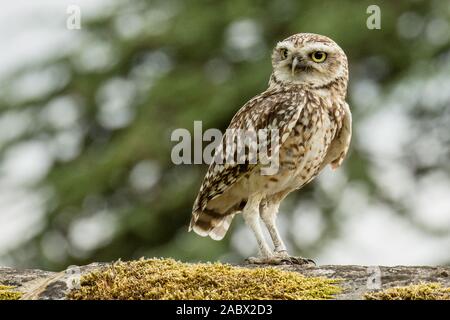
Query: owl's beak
[295,63]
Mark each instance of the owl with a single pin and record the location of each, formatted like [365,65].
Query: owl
[305,103]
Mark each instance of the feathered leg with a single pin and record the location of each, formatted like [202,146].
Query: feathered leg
[268,216]
[269,213]
[252,219]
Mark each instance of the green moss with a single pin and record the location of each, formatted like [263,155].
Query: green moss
[170,279]
[7,294]
[422,291]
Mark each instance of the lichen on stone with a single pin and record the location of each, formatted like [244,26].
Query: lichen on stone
[169,279]
[421,291]
[7,293]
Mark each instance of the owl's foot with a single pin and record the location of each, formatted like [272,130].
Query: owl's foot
[279,260]
[299,261]
[287,259]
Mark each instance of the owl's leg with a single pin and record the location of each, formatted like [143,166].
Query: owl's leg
[251,217]
[268,216]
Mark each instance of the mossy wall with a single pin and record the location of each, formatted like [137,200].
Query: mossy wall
[422,291]
[170,279]
[7,293]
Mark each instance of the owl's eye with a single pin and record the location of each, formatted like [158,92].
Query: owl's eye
[284,53]
[318,56]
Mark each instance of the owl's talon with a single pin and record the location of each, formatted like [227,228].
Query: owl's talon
[279,260]
[301,261]
[285,258]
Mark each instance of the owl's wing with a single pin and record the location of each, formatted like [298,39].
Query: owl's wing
[275,109]
[339,146]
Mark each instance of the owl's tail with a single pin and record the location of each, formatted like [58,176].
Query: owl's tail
[205,224]
[214,219]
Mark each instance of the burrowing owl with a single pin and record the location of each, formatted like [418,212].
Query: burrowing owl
[305,101]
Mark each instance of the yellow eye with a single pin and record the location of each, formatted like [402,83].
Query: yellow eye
[318,56]
[284,53]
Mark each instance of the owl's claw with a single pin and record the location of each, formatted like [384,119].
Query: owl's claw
[279,260]
[299,261]
[287,259]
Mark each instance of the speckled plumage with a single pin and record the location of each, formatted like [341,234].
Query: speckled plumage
[305,101]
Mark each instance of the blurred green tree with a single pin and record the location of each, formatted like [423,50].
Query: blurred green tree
[144,68]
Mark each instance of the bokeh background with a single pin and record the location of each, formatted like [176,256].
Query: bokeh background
[86,117]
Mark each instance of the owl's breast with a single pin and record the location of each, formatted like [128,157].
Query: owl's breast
[301,155]
[305,149]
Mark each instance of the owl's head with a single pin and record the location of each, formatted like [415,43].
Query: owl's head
[308,59]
